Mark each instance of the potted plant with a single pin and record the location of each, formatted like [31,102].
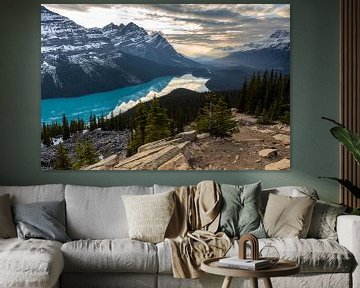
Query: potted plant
[351,141]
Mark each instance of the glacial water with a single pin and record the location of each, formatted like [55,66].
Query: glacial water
[115,101]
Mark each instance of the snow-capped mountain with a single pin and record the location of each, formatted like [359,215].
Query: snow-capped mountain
[136,41]
[271,53]
[279,40]
[78,60]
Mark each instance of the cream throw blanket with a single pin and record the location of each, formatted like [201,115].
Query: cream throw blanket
[191,231]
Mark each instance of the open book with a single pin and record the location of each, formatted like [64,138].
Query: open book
[236,262]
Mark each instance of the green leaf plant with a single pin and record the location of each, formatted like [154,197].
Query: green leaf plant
[351,141]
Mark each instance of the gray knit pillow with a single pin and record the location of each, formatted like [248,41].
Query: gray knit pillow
[43,220]
[323,222]
[7,227]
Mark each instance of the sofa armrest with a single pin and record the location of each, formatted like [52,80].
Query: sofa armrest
[348,230]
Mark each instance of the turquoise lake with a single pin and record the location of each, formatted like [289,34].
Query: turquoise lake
[98,103]
[102,104]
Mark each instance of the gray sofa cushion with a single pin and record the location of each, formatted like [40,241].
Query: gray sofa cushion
[313,255]
[35,193]
[7,226]
[30,263]
[117,255]
[108,280]
[163,188]
[98,213]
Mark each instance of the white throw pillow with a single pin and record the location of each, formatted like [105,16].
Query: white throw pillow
[149,215]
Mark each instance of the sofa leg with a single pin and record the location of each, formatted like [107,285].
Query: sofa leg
[267,282]
[227,282]
[254,282]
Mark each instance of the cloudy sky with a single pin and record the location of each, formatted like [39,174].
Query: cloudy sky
[193,29]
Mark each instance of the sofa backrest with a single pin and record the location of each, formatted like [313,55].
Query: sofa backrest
[35,193]
[293,191]
[163,188]
[98,212]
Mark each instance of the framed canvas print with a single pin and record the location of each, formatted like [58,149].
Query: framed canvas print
[165,86]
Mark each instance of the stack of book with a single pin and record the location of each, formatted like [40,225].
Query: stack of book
[248,264]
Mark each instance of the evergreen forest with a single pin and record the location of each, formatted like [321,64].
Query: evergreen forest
[266,95]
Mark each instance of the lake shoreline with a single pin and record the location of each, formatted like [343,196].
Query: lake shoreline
[116,101]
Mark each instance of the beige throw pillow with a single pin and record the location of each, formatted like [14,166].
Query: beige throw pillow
[7,226]
[288,217]
[148,215]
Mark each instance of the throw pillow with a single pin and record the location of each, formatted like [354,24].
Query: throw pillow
[7,227]
[149,215]
[288,217]
[43,220]
[323,222]
[240,213]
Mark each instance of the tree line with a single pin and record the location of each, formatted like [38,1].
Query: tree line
[85,154]
[265,95]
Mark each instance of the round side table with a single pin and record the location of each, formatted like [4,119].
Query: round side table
[281,268]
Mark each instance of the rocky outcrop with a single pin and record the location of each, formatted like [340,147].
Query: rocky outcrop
[187,136]
[106,143]
[268,153]
[179,162]
[283,164]
[149,159]
[165,154]
[104,164]
[203,136]
[285,139]
[253,146]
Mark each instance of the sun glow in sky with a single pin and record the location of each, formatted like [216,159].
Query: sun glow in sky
[191,28]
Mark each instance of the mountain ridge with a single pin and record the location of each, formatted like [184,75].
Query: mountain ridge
[270,53]
[75,60]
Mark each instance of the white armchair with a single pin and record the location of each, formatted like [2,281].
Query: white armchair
[348,229]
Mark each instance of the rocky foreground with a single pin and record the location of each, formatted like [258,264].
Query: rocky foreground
[106,143]
[263,147]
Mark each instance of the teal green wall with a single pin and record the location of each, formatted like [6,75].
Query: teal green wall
[314,93]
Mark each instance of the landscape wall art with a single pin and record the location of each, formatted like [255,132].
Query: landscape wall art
[165,86]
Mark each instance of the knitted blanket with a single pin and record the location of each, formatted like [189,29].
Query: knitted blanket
[191,232]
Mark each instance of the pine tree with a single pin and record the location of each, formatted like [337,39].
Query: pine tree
[92,123]
[62,160]
[45,135]
[85,154]
[215,118]
[65,128]
[242,96]
[157,123]
[138,137]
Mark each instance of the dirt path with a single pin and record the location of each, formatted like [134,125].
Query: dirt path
[241,151]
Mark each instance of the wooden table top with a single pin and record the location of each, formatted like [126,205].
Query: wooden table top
[281,268]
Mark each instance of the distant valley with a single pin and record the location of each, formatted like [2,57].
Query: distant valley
[77,61]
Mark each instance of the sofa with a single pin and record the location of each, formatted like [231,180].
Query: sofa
[100,253]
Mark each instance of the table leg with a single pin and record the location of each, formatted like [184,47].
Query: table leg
[267,283]
[254,282]
[227,282]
